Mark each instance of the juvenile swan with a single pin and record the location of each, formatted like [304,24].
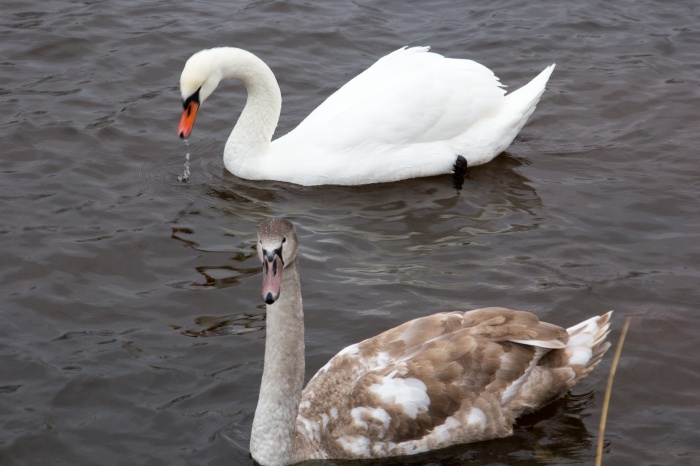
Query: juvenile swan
[413,113]
[436,381]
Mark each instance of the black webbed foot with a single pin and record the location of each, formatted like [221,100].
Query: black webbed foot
[459,171]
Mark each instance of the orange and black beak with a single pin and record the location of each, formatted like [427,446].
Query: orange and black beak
[191,106]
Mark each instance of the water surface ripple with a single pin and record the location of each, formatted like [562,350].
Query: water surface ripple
[131,328]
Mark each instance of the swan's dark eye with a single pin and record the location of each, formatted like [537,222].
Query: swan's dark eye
[284,240]
[193,98]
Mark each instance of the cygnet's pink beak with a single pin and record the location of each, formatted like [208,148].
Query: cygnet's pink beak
[272,278]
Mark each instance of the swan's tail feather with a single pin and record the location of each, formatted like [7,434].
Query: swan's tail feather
[587,345]
[583,351]
[493,134]
[523,101]
[560,369]
[528,95]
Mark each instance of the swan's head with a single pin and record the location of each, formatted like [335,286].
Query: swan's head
[198,81]
[277,248]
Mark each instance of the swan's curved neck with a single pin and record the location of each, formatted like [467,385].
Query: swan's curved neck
[274,425]
[252,134]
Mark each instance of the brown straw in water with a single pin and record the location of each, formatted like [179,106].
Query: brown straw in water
[608,391]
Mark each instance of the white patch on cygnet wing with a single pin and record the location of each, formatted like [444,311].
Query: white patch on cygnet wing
[510,392]
[356,414]
[382,360]
[410,393]
[476,417]
[312,428]
[443,432]
[363,416]
[356,445]
[349,351]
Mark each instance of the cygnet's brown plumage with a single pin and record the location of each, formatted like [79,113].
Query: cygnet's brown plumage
[433,382]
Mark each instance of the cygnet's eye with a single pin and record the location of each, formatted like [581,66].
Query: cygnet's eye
[284,240]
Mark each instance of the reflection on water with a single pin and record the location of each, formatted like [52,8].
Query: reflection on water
[227,325]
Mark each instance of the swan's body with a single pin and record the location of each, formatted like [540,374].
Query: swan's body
[430,383]
[411,114]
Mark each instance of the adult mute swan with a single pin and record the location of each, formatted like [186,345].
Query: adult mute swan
[413,113]
[436,381]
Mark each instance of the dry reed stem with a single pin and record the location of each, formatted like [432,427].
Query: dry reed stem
[608,391]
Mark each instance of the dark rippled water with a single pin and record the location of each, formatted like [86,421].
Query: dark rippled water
[109,263]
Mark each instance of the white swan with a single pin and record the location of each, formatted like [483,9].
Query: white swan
[411,114]
[436,381]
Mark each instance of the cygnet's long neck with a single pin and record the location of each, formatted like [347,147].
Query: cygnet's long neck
[253,132]
[272,438]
